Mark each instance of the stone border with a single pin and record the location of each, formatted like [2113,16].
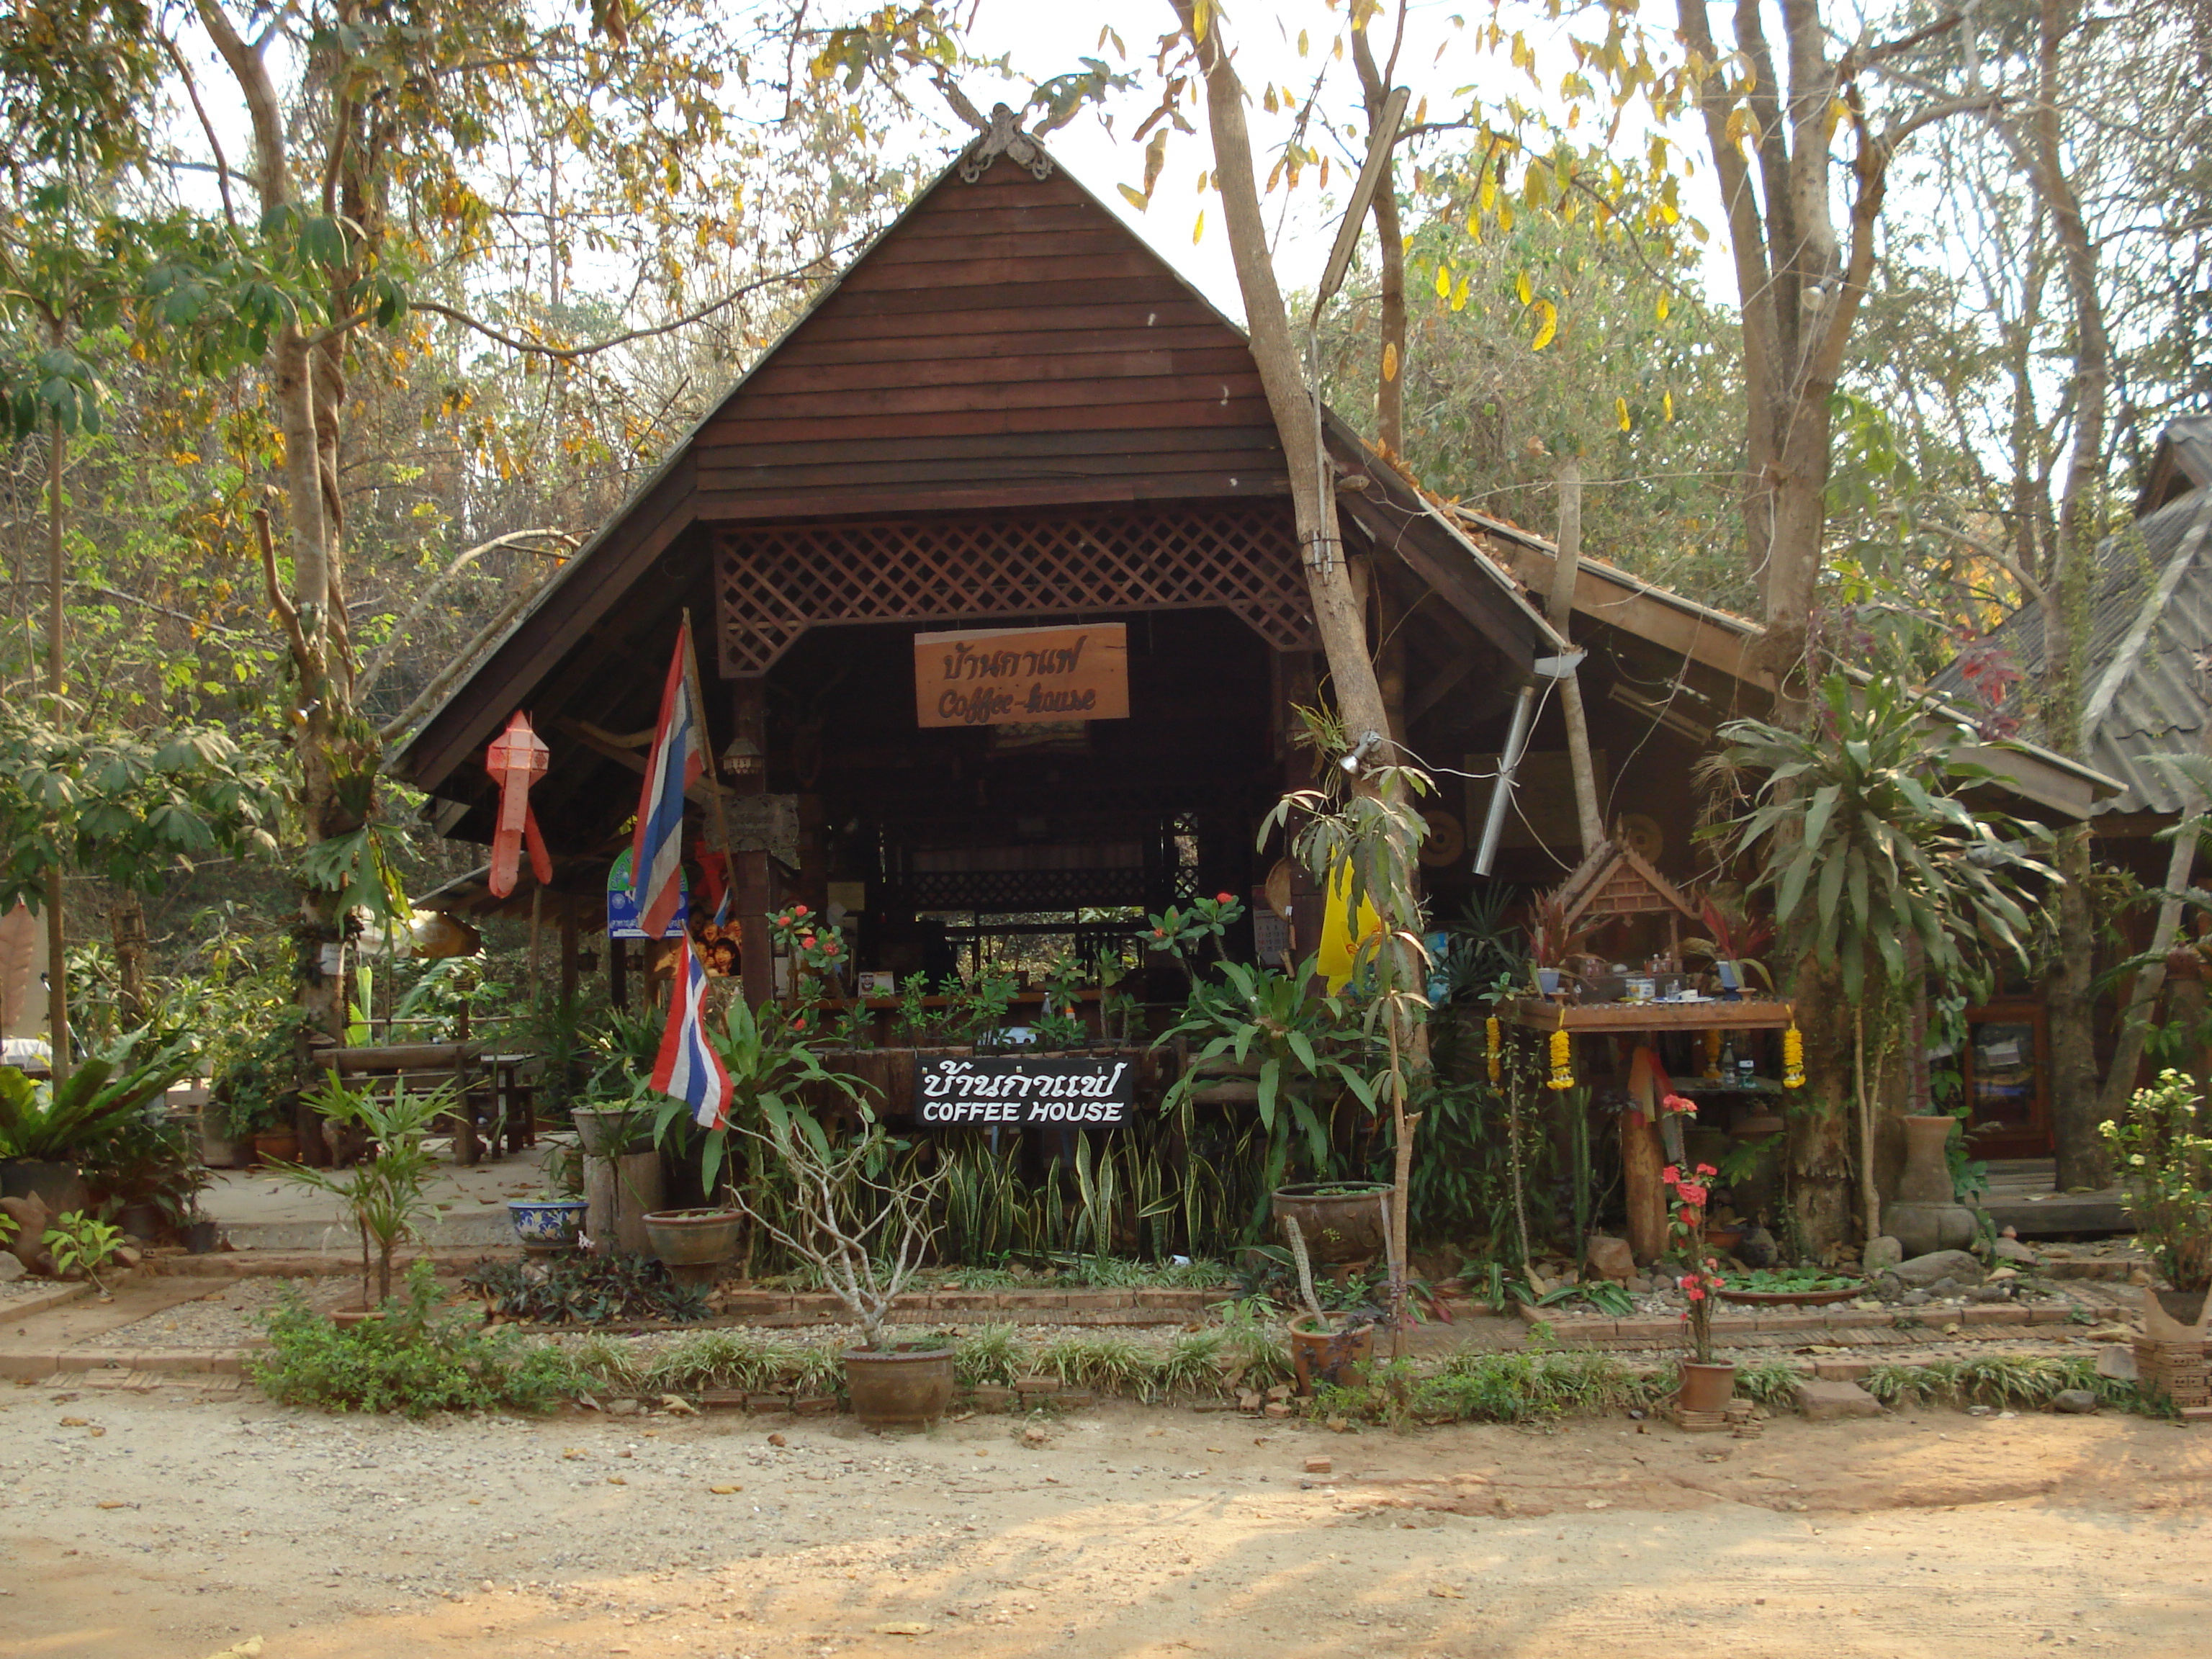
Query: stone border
[61,1296]
[1837,1324]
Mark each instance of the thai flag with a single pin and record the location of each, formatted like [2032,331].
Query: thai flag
[688,1068]
[657,854]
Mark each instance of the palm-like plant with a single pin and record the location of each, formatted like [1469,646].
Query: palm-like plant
[1866,845]
[99,1099]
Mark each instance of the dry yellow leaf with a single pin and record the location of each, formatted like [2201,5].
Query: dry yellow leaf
[1547,328]
[724,1492]
[900,1629]
[1390,360]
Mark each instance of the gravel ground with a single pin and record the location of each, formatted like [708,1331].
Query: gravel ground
[227,1317]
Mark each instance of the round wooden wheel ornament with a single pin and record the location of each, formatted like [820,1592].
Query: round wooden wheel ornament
[1446,839]
[1641,834]
[1279,888]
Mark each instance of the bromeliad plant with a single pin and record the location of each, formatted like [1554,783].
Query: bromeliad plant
[1877,849]
[75,1122]
[2163,1151]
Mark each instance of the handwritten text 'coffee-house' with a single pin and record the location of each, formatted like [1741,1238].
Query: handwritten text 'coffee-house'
[996,676]
[966,1092]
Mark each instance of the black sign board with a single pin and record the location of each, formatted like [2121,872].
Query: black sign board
[1020,1090]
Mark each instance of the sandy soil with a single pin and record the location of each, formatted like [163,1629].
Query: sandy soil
[171,1526]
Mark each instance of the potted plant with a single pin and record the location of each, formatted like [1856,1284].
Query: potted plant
[385,1195]
[147,1175]
[46,1133]
[861,1220]
[772,1068]
[1323,1349]
[616,1112]
[1708,1384]
[2163,1150]
[1552,940]
[1292,1042]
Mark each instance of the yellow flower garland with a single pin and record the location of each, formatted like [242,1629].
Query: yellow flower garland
[1563,1057]
[1793,1054]
[1495,1050]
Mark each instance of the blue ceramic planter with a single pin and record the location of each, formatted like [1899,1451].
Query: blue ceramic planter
[547,1221]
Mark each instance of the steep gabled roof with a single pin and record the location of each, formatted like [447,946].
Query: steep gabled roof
[1005,342]
[2149,639]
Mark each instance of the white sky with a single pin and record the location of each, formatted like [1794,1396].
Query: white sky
[1045,40]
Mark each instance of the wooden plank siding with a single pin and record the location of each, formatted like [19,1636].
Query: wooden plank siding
[1006,346]
[1009,344]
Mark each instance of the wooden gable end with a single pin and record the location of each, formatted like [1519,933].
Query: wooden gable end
[1007,343]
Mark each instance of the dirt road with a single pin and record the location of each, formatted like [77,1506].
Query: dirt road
[164,1527]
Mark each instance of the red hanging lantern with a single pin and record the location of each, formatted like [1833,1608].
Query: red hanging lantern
[517,758]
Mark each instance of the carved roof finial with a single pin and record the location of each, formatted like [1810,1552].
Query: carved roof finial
[1005,136]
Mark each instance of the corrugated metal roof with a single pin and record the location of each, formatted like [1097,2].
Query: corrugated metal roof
[2150,624]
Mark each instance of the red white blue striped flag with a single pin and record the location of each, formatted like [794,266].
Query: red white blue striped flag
[688,1068]
[656,854]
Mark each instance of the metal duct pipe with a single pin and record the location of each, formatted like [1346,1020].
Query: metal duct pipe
[1501,789]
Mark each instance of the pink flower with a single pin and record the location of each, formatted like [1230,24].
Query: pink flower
[1676,1103]
[1225,898]
[1697,1292]
[807,940]
[1671,1173]
[1159,932]
[799,909]
[1692,1192]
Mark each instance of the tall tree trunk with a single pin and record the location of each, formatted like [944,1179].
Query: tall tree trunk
[1339,616]
[2069,996]
[126,924]
[57,1027]
[1560,609]
[1389,260]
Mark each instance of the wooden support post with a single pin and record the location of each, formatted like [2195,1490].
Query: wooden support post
[618,973]
[1641,1161]
[748,871]
[568,952]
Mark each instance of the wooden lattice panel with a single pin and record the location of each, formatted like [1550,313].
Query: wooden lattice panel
[772,584]
[1625,894]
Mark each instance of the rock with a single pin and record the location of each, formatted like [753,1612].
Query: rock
[1318,1466]
[1757,1249]
[2003,1274]
[1883,1254]
[1915,1298]
[1034,1437]
[1989,1293]
[777,1440]
[1924,1228]
[27,1245]
[1610,1258]
[623,1408]
[2011,1249]
[1833,1402]
[2118,1364]
[11,1268]
[1889,1287]
[1925,1272]
[2108,1333]
[2078,1403]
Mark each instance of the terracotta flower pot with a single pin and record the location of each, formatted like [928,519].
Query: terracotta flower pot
[279,1146]
[693,1238]
[899,1388]
[1320,1354]
[1341,1221]
[1706,1387]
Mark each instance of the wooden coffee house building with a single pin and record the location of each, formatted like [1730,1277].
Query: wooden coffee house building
[999,609]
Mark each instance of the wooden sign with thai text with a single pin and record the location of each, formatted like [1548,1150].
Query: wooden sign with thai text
[1012,676]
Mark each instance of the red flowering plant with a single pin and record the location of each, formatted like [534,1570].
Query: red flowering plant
[1687,1191]
[816,950]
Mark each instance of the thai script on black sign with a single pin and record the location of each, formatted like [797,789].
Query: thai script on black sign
[1019,1089]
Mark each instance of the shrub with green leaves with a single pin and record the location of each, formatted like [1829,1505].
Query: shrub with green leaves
[414,1360]
[2163,1150]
